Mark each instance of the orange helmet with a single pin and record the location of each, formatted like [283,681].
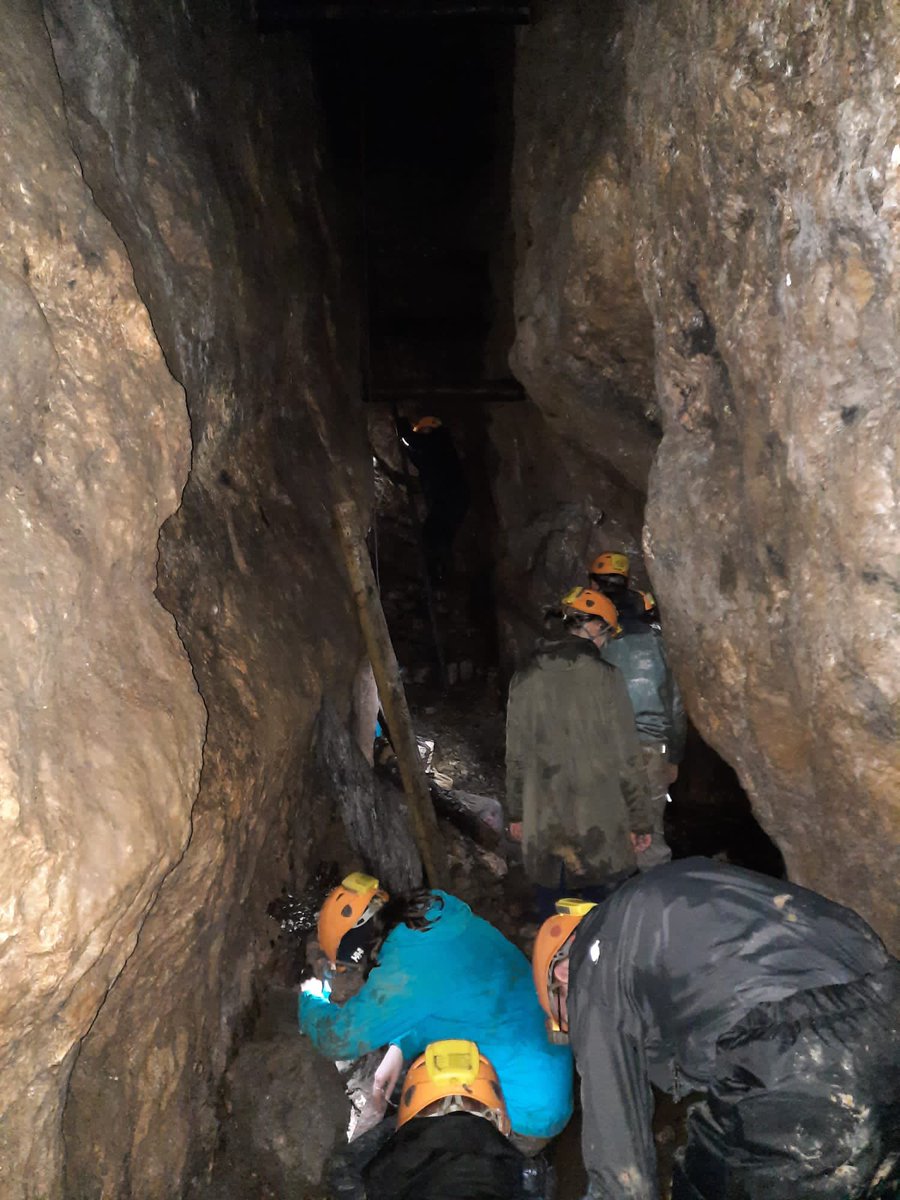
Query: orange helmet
[344,914]
[452,1076]
[610,564]
[426,424]
[591,604]
[549,947]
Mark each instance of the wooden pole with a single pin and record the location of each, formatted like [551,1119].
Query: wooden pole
[390,691]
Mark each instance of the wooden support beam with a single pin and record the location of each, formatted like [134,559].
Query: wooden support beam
[390,690]
[496,391]
[277,16]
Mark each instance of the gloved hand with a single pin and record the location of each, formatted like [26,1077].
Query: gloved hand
[315,987]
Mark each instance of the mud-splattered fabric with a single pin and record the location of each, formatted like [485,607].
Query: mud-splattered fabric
[459,978]
[804,1103]
[665,970]
[574,770]
[640,654]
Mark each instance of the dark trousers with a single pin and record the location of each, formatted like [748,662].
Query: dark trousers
[805,1101]
[545,898]
[348,1165]
[446,511]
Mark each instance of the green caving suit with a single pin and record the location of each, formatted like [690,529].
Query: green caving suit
[574,770]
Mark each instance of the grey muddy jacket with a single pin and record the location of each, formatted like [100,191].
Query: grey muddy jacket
[660,971]
[574,772]
[640,655]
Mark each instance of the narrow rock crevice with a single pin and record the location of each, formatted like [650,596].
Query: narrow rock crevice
[640,261]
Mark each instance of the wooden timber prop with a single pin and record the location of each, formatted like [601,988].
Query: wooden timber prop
[390,691]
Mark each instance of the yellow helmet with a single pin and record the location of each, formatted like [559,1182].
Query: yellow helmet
[426,424]
[549,947]
[451,1076]
[347,909]
[611,563]
[591,604]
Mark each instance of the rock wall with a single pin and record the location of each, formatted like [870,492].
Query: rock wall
[559,506]
[102,727]
[573,460]
[739,171]
[141,925]
[584,337]
[766,176]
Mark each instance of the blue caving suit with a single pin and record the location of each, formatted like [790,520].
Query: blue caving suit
[459,978]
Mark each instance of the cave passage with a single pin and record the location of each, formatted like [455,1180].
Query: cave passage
[420,118]
[633,265]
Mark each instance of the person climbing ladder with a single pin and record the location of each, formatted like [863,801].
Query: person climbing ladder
[432,452]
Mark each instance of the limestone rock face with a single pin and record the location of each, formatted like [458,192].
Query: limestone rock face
[584,336]
[560,507]
[199,143]
[766,180]
[745,169]
[574,460]
[372,811]
[289,1111]
[102,725]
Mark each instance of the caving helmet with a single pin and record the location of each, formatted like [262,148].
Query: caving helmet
[345,933]
[610,564]
[426,424]
[452,1076]
[549,949]
[591,604]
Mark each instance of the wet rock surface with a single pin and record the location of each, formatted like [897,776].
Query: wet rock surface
[752,168]
[285,1110]
[573,460]
[200,146]
[559,509]
[102,726]
[372,810]
[767,237]
[584,335]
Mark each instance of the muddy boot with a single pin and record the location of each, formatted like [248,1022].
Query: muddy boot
[538,1179]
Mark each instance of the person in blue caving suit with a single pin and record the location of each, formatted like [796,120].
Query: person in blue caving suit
[433,970]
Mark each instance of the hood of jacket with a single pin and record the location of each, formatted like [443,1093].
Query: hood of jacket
[449,915]
[561,654]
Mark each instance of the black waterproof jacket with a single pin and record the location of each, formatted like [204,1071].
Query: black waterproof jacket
[433,454]
[665,967]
